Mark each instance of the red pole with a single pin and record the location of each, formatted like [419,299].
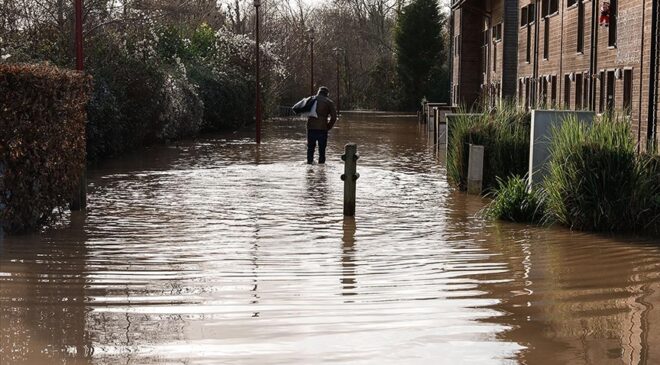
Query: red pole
[311,47]
[258,95]
[79,198]
[79,36]
[338,96]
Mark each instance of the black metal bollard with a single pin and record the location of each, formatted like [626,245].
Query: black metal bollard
[349,177]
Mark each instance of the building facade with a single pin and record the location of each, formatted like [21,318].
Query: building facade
[566,54]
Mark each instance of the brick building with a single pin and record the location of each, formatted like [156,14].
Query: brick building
[557,54]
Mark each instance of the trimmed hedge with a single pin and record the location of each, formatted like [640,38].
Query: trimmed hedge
[42,141]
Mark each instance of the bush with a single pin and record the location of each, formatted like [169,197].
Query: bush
[127,103]
[513,201]
[597,182]
[228,97]
[183,109]
[505,137]
[42,142]
[649,166]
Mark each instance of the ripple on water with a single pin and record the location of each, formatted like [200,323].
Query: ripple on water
[217,251]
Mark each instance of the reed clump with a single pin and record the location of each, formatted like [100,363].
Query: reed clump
[514,201]
[504,134]
[597,182]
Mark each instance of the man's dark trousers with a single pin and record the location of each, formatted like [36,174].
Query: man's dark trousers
[313,136]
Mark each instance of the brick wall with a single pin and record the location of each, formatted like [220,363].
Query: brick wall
[563,57]
[466,73]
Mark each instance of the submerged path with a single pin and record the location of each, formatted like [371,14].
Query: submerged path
[219,252]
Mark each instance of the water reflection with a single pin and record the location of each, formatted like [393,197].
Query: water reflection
[43,287]
[217,251]
[348,279]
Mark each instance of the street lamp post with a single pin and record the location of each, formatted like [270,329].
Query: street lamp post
[79,199]
[257,4]
[311,48]
[79,36]
[338,51]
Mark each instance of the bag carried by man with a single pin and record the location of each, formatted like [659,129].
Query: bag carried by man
[306,107]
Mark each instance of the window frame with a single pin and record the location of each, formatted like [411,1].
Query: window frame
[612,33]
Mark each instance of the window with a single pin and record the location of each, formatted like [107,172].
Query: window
[527,15]
[546,39]
[601,108]
[609,103]
[627,91]
[585,91]
[580,28]
[549,7]
[494,57]
[544,91]
[570,3]
[553,90]
[578,91]
[527,93]
[611,39]
[528,50]
[484,60]
[497,32]
[523,17]
[567,92]
[521,86]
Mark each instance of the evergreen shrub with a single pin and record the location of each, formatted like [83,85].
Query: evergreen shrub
[42,141]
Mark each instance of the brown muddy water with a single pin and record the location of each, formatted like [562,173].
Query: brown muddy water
[219,252]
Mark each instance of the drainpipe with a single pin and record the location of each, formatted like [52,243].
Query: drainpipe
[641,77]
[489,52]
[653,74]
[535,72]
[560,77]
[593,57]
[452,47]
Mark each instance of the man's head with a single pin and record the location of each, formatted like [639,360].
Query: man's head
[324,91]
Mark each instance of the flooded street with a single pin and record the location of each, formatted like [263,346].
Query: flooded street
[217,251]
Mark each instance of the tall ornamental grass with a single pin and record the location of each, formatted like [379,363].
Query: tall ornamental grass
[597,182]
[505,137]
[514,201]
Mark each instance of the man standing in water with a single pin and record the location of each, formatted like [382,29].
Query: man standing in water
[317,128]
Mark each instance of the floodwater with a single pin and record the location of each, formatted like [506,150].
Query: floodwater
[216,251]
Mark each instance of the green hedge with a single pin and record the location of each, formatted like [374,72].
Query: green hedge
[42,141]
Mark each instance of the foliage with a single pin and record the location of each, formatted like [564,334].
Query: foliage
[228,97]
[183,108]
[514,201]
[419,47]
[649,166]
[125,110]
[42,141]
[597,182]
[505,137]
